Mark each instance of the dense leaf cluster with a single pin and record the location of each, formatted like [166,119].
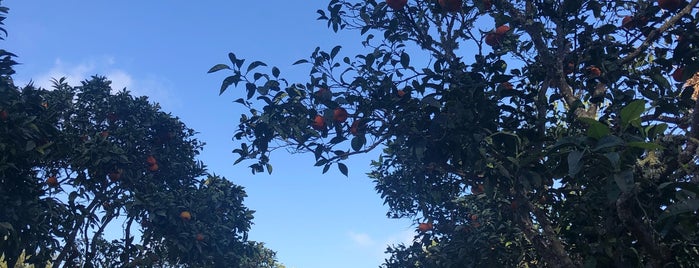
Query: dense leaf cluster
[540,133]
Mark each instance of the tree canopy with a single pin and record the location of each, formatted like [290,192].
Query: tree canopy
[77,160]
[538,133]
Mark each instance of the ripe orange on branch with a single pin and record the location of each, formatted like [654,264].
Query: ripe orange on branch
[185,215]
[318,123]
[340,115]
[52,181]
[678,74]
[425,226]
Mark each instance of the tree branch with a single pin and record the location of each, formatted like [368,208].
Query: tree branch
[654,34]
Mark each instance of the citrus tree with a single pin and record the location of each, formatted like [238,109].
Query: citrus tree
[532,133]
[76,161]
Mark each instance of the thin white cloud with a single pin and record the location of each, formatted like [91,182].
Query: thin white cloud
[361,239]
[375,247]
[156,88]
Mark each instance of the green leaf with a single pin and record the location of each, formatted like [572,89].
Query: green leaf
[275,72]
[645,145]
[608,142]
[326,168]
[334,51]
[632,112]
[269,169]
[404,60]
[687,206]
[300,61]
[255,64]
[343,169]
[358,142]
[574,163]
[596,129]
[218,67]
[233,79]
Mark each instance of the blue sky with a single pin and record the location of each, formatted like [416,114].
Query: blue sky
[164,50]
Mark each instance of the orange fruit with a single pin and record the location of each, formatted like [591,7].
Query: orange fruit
[502,29]
[506,86]
[3,115]
[492,39]
[114,176]
[318,123]
[354,128]
[628,23]
[474,217]
[477,189]
[151,160]
[400,93]
[185,215]
[678,74]
[200,237]
[425,226]
[594,71]
[104,134]
[340,115]
[153,167]
[323,94]
[52,181]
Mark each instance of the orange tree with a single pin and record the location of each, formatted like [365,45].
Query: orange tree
[77,160]
[533,133]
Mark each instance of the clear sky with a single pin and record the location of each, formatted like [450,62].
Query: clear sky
[163,49]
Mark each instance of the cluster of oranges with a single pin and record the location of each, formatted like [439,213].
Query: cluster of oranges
[340,114]
[187,216]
